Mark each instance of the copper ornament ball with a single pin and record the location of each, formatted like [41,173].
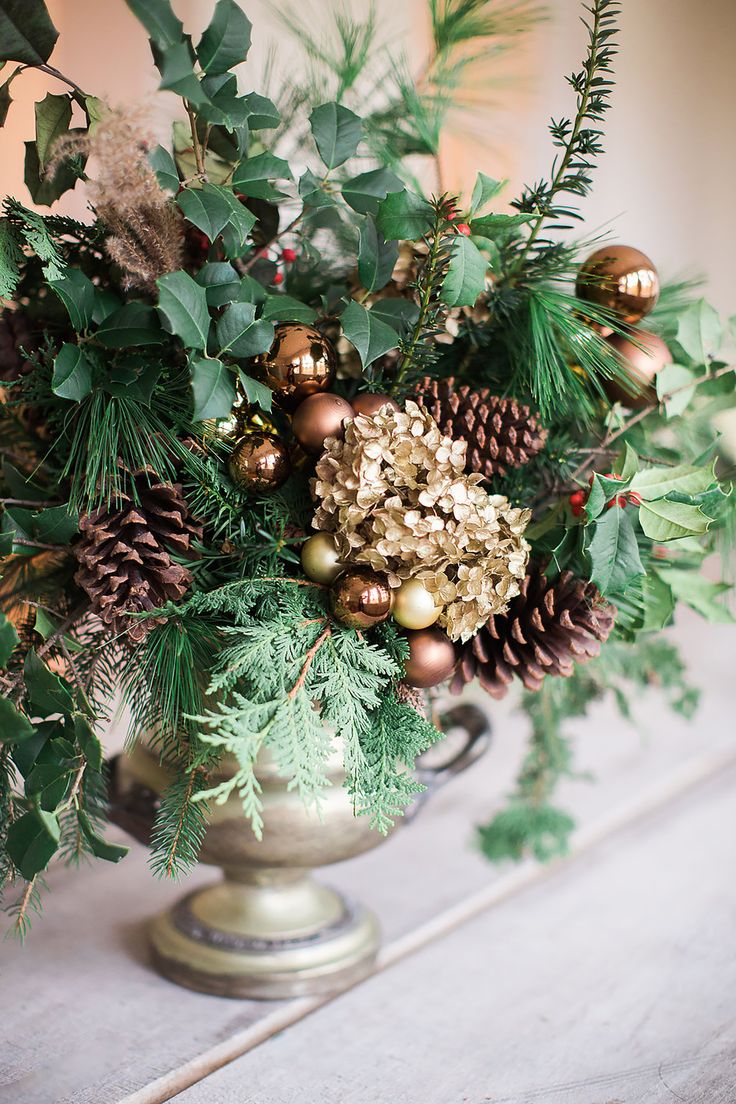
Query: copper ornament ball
[321,559]
[620,278]
[361,599]
[641,366]
[259,463]
[370,402]
[300,362]
[319,417]
[431,658]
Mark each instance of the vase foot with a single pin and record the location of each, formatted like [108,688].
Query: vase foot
[265,941]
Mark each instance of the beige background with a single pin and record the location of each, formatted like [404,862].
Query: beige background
[665,183]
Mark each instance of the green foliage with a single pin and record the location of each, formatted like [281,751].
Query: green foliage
[27,34]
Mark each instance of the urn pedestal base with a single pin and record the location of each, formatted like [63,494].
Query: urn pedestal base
[280,934]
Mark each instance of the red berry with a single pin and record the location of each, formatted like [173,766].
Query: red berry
[619,500]
[634,498]
[288,256]
[262,252]
[577,510]
[577,498]
[278,278]
[463,228]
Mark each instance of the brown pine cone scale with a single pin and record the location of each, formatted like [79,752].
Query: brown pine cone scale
[549,627]
[501,433]
[125,554]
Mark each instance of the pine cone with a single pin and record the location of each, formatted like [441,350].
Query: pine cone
[550,626]
[501,433]
[125,554]
[15,334]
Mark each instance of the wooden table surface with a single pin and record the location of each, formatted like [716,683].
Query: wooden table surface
[609,978]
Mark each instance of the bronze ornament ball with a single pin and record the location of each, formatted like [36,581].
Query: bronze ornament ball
[299,363]
[361,599]
[370,402]
[321,559]
[431,658]
[414,606]
[641,365]
[319,417]
[259,463]
[621,278]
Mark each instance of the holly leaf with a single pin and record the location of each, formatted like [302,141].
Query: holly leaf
[176,66]
[5,98]
[77,293]
[656,482]
[671,378]
[53,116]
[285,308]
[182,304]
[164,166]
[664,520]
[131,325]
[213,388]
[8,640]
[241,334]
[699,593]
[253,175]
[262,112]
[602,490]
[226,41]
[376,258]
[255,391]
[72,378]
[100,847]
[337,133]
[14,726]
[32,842]
[312,192]
[627,464]
[614,552]
[57,525]
[466,274]
[404,215]
[364,192]
[220,281]
[26,32]
[399,314]
[157,16]
[487,226]
[699,331]
[45,189]
[484,191]
[88,741]
[206,208]
[370,337]
[47,693]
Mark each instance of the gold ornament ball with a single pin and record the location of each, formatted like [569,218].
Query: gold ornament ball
[414,606]
[319,417]
[621,278]
[641,365]
[259,463]
[361,599]
[299,363]
[431,658]
[321,559]
[370,402]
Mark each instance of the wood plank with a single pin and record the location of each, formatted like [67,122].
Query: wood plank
[112,1027]
[613,980]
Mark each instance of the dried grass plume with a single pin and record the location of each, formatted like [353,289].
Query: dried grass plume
[146,234]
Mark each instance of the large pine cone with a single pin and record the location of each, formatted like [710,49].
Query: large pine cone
[125,554]
[501,433]
[550,626]
[15,334]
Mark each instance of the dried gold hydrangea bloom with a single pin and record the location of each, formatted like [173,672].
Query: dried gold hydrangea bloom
[395,493]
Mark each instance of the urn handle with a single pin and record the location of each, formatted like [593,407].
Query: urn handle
[475,726]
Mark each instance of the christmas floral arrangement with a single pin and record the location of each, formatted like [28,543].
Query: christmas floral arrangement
[290,442]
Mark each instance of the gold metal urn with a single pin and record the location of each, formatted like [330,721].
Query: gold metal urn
[268,929]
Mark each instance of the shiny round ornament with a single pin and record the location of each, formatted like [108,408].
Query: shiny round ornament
[319,417]
[259,463]
[299,363]
[361,599]
[370,402]
[321,559]
[414,606]
[641,365]
[431,658]
[621,278]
